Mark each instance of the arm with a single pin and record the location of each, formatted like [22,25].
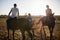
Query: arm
[9,12]
[18,13]
[46,12]
[50,11]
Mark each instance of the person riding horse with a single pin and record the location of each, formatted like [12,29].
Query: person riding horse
[14,11]
[15,14]
[48,20]
[12,18]
[48,12]
[21,23]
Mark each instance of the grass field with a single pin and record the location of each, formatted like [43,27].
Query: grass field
[3,29]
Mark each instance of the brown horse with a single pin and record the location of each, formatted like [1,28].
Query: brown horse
[50,22]
[23,24]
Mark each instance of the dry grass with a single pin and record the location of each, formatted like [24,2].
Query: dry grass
[37,28]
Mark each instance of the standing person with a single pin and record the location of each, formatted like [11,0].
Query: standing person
[48,10]
[5,38]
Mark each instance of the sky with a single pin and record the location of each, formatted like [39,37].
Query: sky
[35,7]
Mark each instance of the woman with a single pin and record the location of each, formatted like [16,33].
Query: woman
[48,10]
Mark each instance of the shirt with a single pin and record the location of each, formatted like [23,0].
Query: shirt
[29,18]
[14,12]
[48,11]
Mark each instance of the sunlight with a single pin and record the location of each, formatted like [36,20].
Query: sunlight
[38,7]
[35,7]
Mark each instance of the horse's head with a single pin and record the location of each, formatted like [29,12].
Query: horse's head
[52,16]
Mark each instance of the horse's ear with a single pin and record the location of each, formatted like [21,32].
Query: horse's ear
[53,13]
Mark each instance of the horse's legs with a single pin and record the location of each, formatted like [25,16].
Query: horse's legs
[8,34]
[51,33]
[13,34]
[52,28]
[33,33]
[8,28]
[41,32]
[30,34]
[44,32]
[23,35]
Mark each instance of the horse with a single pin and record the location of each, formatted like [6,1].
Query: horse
[50,22]
[21,23]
